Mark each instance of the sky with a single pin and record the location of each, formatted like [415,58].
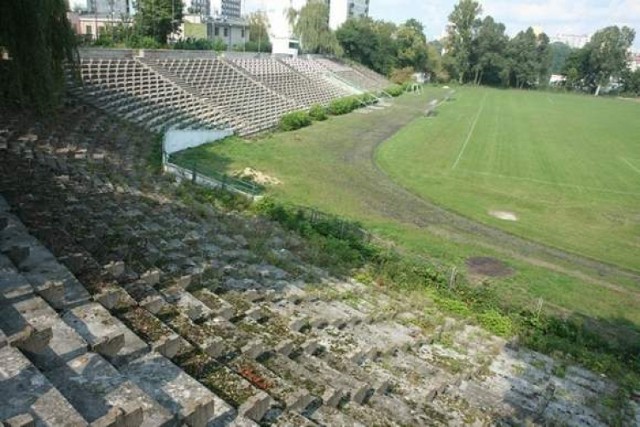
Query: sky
[576,17]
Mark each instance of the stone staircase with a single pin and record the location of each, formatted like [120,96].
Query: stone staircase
[122,305]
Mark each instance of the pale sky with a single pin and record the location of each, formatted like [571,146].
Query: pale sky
[575,17]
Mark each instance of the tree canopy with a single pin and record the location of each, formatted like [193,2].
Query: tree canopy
[39,40]
[311,25]
[464,24]
[158,18]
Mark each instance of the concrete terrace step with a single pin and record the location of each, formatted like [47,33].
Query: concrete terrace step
[27,393]
[175,390]
[103,396]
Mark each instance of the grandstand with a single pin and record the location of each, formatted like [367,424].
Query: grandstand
[201,90]
[122,306]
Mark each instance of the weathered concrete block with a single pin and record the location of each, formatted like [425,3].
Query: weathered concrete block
[64,344]
[254,349]
[104,396]
[16,321]
[255,407]
[172,388]
[22,420]
[285,347]
[25,390]
[151,277]
[115,268]
[105,334]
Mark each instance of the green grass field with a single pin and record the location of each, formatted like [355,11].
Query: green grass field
[566,165]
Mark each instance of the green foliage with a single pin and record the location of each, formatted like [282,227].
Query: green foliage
[38,37]
[400,76]
[311,25]
[318,113]
[605,56]
[395,90]
[460,38]
[496,322]
[259,32]
[158,18]
[411,45]
[256,46]
[631,82]
[343,105]
[200,44]
[294,120]
[559,54]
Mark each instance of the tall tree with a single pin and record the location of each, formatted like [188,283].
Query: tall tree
[559,54]
[488,50]
[608,49]
[412,46]
[464,23]
[522,57]
[158,18]
[369,42]
[311,25]
[259,32]
[39,40]
[543,56]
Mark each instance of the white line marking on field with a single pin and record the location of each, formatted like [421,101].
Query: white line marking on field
[473,127]
[630,164]
[551,100]
[559,184]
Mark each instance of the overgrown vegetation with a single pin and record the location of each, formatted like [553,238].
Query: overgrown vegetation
[318,113]
[38,37]
[294,120]
[348,249]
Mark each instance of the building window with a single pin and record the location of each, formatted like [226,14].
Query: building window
[242,32]
[216,31]
[226,32]
[88,29]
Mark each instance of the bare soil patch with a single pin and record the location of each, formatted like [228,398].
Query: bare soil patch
[488,267]
[257,177]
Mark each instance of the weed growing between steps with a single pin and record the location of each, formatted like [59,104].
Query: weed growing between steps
[344,249]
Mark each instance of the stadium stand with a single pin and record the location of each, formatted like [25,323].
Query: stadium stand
[305,89]
[120,305]
[193,89]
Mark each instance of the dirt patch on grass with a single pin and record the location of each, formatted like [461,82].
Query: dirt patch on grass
[257,177]
[488,267]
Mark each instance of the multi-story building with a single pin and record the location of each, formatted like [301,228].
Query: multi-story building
[198,7]
[115,8]
[227,8]
[341,10]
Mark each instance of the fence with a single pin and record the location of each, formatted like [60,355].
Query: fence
[178,140]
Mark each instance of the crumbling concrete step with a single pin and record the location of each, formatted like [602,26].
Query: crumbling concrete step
[103,396]
[65,343]
[217,305]
[39,267]
[187,303]
[300,376]
[105,334]
[17,324]
[151,329]
[294,398]
[329,416]
[25,390]
[174,389]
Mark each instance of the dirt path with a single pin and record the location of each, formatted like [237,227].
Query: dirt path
[388,199]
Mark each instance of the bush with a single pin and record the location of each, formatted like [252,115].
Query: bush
[318,113]
[368,99]
[401,75]
[495,322]
[295,120]
[343,105]
[395,90]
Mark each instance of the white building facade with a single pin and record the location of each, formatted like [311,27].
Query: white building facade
[341,10]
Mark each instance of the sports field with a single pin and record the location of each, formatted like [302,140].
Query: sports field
[563,169]
[566,166]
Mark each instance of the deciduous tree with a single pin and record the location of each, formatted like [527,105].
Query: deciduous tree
[311,25]
[464,23]
[39,40]
[158,18]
